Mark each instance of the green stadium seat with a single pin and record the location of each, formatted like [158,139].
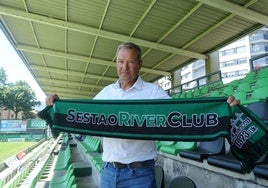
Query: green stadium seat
[159,144]
[204,89]
[97,161]
[245,87]
[179,146]
[263,73]
[234,83]
[242,96]
[216,84]
[63,160]
[183,94]
[90,144]
[197,92]
[176,96]
[69,183]
[258,95]
[250,77]
[61,176]
[215,93]
[261,82]
[189,94]
[227,90]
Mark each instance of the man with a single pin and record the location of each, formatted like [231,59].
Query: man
[129,163]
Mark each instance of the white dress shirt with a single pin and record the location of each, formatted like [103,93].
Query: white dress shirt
[130,150]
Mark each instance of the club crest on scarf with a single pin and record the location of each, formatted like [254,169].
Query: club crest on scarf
[241,130]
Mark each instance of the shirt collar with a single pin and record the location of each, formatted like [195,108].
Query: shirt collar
[137,84]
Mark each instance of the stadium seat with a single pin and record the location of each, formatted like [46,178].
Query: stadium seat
[96,160]
[64,159]
[68,183]
[258,95]
[197,92]
[263,73]
[250,77]
[234,83]
[176,96]
[205,149]
[159,144]
[189,94]
[159,176]
[215,93]
[245,87]
[216,84]
[204,89]
[261,82]
[227,161]
[260,109]
[261,171]
[60,176]
[179,146]
[90,144]
[183,94]
[242,96]
[181,182]
[227,90]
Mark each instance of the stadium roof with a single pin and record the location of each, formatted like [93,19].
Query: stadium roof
[69,46]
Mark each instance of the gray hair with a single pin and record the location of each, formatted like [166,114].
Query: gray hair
[130,45]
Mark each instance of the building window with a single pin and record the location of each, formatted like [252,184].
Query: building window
[240,49]
[232,51]
[259,48]
[259,63]
[187,75]
[234,62]
[234,73]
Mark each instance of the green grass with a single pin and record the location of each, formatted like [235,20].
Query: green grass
[8,149]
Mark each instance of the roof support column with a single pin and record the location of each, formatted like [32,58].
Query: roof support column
[212,65]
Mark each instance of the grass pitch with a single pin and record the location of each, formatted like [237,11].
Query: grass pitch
[8,149]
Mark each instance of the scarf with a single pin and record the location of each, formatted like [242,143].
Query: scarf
[197,119]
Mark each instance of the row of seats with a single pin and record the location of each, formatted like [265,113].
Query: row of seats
[96,160]
[214,153]
[69,168]
[64,158]
[252,88]
[174,148]
[90,144]
[63,175]
[63,178]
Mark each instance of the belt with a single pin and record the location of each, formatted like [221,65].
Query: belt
[140,164]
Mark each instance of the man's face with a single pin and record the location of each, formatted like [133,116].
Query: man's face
[128,66]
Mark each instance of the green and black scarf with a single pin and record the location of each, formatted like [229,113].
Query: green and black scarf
[199,119]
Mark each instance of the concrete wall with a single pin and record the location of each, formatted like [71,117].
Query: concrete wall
[205,175]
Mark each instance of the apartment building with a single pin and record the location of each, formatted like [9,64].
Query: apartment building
[236,60]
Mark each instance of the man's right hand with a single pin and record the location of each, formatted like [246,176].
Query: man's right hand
[51,98]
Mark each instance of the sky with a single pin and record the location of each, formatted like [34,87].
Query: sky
[15,68]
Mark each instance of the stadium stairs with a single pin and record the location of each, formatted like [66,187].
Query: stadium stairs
[70,165]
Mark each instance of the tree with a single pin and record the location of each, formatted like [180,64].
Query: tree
[3,79]
[28,115]
[19,97]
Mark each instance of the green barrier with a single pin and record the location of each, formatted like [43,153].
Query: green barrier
[199,119]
